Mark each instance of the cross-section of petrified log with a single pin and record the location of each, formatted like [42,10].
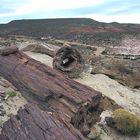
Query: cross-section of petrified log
[41,84]
[33,124]
[69,61]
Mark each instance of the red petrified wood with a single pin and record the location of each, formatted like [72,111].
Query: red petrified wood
[33,124]
[40,84]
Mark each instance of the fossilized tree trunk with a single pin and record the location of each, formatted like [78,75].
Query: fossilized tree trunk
[35,124]
[125,71]
[68,61]
[40,84]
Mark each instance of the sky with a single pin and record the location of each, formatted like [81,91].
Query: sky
[122,11]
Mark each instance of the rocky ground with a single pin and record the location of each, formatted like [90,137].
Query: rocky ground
[128,98]
[10,100]
[125,71]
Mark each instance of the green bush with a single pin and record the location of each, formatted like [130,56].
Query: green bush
[11,93]
[125,122]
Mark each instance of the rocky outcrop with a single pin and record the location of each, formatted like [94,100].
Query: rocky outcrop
[125,71]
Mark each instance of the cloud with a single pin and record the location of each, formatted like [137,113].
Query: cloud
[29,6]
[102,10]
[9,8]
[126,10]
[61,4]
[6,10]
[124,18]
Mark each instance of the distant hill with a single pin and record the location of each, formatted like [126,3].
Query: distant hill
[82,30]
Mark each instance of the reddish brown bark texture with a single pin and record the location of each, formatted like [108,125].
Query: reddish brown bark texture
[40,84]
[33,124]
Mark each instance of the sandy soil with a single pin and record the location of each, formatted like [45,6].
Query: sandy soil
[124,96]
[41,57]
[9,105]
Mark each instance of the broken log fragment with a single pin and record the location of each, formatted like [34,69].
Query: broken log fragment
[8,50]
[35,124]
[68,61]
[47,49]
[48,88]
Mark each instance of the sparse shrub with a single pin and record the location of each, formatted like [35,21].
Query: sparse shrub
[98,137]
[11,94]
[125,122]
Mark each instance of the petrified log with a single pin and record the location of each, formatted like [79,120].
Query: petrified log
[31,123]
[44,49]
[8,51]
[69,61]
[48,88]
[120,68]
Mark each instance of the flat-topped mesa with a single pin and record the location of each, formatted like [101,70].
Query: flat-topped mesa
[42,85]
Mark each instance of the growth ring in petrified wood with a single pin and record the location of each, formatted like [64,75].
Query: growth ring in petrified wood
[68,61]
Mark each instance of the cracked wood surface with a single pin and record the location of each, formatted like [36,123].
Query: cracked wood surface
[48,88]
[31,123]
